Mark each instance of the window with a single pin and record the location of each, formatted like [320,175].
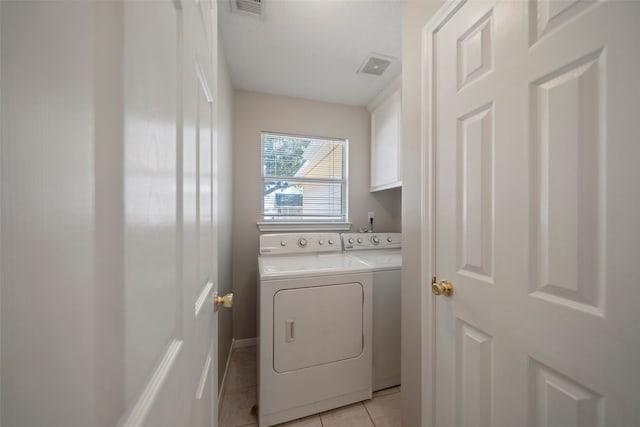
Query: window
[303,179]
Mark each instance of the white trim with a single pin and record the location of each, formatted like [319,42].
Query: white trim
[395,184]
[386,92]
[427,194]
[246,342]
[304,226]
[140,411]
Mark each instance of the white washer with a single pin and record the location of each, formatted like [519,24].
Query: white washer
[382,252]
[314,314]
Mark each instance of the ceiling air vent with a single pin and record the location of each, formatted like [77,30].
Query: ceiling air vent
[250,7]
[375,64]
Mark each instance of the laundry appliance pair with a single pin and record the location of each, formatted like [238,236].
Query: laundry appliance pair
[329,321]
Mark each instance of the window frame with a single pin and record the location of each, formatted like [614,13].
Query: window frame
[298,224]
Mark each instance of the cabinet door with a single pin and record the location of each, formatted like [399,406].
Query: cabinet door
[385,143]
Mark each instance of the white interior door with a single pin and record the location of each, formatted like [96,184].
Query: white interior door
[156,345]
[533,125]
[200,264]
[169,211]
[108,219]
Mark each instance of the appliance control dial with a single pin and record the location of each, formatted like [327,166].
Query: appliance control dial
[351,240]
[302,242]
[375,240]
[389,239]
[321,242]
[359,240]
[283,243]
[331,241]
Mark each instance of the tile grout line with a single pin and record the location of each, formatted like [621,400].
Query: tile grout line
[368,414]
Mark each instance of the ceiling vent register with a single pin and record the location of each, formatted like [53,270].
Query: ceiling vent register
[249,7]
[375,64]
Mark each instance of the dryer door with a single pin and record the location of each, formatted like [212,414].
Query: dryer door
[317,325]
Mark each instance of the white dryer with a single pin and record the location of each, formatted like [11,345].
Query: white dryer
[314,314]
[382,252]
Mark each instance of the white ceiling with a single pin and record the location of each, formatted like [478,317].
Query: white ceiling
[312,49]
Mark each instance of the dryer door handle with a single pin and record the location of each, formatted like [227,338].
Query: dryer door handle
[289,331]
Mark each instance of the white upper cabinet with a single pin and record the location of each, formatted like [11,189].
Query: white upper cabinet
[386,126]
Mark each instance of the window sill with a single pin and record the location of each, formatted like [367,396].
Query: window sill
[304,226]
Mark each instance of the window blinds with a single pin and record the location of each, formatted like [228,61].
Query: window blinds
[304,178]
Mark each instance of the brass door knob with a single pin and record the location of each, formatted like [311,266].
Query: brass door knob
[443,288]
[226,301]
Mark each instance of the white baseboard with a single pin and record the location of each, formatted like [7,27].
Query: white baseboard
[246,342]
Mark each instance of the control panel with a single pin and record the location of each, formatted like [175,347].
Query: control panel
[362,241]
[296,243]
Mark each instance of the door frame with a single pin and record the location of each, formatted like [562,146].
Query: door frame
[427,215]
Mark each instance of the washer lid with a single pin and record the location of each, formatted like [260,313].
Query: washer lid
[275,267]
[380,259]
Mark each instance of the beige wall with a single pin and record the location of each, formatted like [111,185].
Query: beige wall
[415,15]
[255,112]
[224,124]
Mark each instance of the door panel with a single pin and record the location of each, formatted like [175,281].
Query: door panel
[555,400]
[535,213]
[566,185]
[474,363]
[475,193]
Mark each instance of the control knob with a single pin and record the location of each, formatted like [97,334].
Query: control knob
[389,239]
[302,242]
[375,240]
[359,240]
[283,243]
[331,241]
[321,242]
[351,240]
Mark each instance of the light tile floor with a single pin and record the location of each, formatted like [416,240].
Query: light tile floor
[240,398]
